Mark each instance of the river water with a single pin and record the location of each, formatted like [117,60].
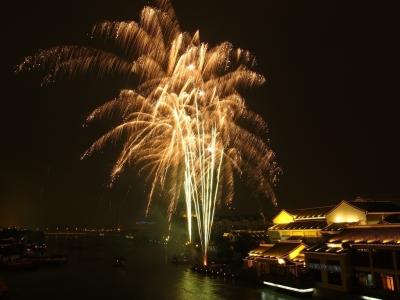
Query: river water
[148,274]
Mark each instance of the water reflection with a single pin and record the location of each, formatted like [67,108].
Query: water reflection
[195,286]
[192,287]
[270,295]
[90,274]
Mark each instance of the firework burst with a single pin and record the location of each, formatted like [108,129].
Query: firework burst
[185,123]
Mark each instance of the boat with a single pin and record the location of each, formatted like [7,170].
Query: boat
[130,236]
[119,261]
[55,260]
[20,264]
[51,260]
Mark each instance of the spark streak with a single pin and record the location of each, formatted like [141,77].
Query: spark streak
[184,123]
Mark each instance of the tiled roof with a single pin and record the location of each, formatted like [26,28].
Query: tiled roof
[375,234]
[376,206]
[281,249]
[360,236]
[312,212]
[324,248]
[260,249]
[336,226]
[297,225]
[312,224]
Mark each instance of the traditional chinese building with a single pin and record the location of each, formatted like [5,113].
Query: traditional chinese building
[362,259]
[342,248]
[311,224]
[266,256]
[302,223]
[362,211]
[280,265]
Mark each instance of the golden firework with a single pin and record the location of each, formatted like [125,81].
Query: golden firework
[185,123]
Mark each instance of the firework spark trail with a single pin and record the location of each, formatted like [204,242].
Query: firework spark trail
[185,123]
[201,167]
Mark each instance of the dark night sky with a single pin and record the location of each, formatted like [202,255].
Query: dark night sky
[333,123]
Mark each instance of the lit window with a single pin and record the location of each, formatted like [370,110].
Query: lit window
[388,282]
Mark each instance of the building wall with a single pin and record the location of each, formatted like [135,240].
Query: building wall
[283,218]
[371,270]
[375,218]
[327,265]
[346,213]
[300,232]
[285,234]
[274,235]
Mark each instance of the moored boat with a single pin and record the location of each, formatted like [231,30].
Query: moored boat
[119,261]
[20,264]
[51,260]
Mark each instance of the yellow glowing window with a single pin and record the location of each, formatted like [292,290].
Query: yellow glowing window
[388,282]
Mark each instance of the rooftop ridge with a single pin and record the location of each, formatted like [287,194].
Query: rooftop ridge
[373,226]
[314,207]
[370,200]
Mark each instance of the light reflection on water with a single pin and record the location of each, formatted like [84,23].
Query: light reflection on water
[194,286]
[147,275]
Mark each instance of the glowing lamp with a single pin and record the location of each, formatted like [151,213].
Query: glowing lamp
[281,261]
[289,288]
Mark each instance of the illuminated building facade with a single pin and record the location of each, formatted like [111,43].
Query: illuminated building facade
[267,255]
[353,247]
[311,224]
[362,211]
[362,259]
[280,265]
[301,223]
